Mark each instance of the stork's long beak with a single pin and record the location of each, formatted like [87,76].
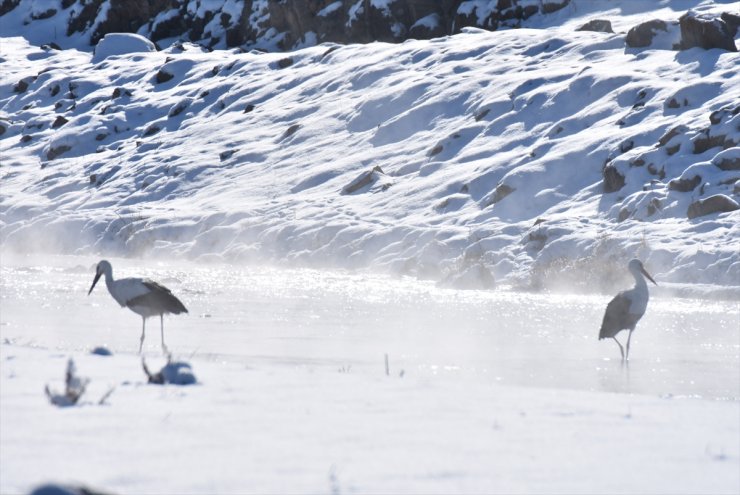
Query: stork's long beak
[644,272]
[98,274]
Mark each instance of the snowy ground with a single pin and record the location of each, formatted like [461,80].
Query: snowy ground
[488,392]
[488,150]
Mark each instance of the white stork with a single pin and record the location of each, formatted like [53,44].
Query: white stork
[627,307]
[142,296]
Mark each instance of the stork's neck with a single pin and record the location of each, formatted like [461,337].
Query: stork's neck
[108,278]
[640,282]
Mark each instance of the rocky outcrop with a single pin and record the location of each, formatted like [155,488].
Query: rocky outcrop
[719,203]
[642,35]
[707,32]
[597,25]
[289,23]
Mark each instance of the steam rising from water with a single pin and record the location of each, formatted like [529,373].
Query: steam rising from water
[309,318]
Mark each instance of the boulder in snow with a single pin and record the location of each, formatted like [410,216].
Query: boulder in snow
[613,180]
[706,32]
[642,35]
[597,25]
[719,203]
[684,185]
[121,44]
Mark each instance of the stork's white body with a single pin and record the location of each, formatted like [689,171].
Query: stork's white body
[142,296]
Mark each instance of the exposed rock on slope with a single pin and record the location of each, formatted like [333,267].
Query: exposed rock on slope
[285,24]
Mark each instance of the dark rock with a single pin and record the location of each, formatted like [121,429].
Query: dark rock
[684,185]
[163,76]
[675,131]
[501,191]
[672,103]
[364,179]
[59,122]
[482,114]
[54,90]
[248,108]
[152,130]
[22,85]
[637,162]
[3,129]
[55,152]
[613,180]
[706,32]
[550,6]
[50,46]
[642,35]
[718,116]
[118,92]
[728,163]
[597,25]
[44,15]
[8,5]
[704,142]
[719,203]
[672,150]
[626,145]
[290,131]
[225,155]
[26,138]
[654,206]
[624,214]
[101,136]
[436,150]
[284,63]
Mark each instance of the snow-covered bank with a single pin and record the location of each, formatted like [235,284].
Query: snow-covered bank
[478,154]
[488,391]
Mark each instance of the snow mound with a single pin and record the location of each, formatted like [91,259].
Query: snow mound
[121,44]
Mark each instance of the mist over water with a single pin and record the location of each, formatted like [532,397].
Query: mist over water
[260,316]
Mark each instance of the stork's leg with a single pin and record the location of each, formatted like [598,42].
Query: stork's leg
[143,330]
[161,328]
[621,349]
[628,345]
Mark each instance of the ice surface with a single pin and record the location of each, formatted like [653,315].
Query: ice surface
[489,391]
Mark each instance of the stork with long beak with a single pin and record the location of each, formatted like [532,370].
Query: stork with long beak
[142,296]
[626,309]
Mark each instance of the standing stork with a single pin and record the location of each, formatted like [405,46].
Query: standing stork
[142,296]
[627,307]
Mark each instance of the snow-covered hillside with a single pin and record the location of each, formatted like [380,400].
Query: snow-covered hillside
[532,156]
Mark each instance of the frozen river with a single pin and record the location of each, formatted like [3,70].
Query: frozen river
[308,318]
[487,391]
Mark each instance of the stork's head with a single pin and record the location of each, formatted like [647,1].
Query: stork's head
[635,267]
[102,268]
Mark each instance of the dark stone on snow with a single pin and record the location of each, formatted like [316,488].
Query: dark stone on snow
[613,180]
[163,76]
[101,136]
[728,164]
[44,15]
[225,155]
[26,138]
[248,108]
[675,131]
[59,122]
[290,131]
[719,203]
[2,129]
[597,25]
[8,5]
[642,35]
[284,63]
[624,214]
[706,32]
[684,185]
[152,130]
[54,90]
[502,190]
[654,206]
[704,142]
[55,152]
[22,85]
